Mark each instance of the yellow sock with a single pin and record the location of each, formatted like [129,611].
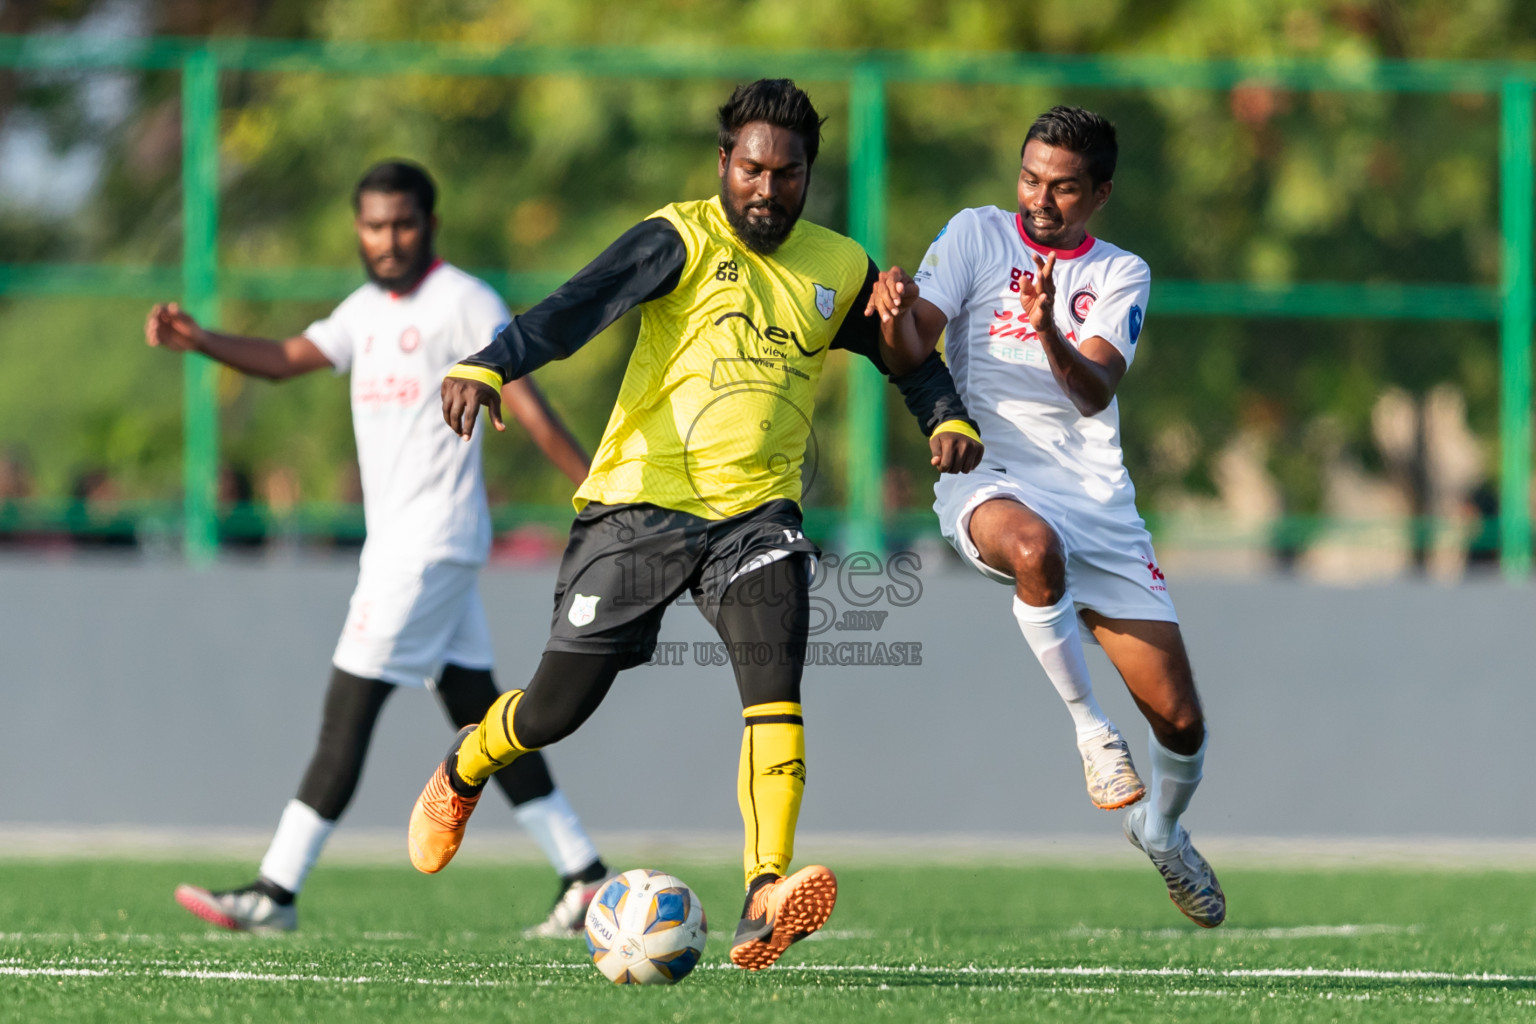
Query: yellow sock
[770,784]
[493,746]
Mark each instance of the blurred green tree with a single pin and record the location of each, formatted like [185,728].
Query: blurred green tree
[537,174]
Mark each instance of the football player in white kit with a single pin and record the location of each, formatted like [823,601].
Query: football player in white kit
[1041,321]
[415,618]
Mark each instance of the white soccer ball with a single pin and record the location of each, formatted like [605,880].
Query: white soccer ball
[646,928]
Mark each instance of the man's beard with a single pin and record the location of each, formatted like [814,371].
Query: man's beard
[763,235]
[407,279]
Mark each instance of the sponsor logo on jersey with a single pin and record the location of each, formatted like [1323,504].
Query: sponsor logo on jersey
[794,767]
[1019,355]
[388,390]
[1135,323]
[772,335]
[583,609]
[1159,581]
[410,340]
[1082,301]
[1007,324]
[826,301]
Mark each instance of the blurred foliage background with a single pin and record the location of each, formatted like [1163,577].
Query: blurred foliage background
[538,174]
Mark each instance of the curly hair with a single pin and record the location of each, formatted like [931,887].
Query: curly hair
[777,101]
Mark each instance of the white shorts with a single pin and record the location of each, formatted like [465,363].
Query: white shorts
[1111,568]
[405,623]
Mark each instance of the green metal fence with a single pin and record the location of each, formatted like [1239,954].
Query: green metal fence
[203,284]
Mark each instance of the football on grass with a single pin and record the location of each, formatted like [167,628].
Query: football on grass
[646,928]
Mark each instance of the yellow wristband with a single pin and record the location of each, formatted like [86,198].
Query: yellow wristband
[957,427]
[477,373]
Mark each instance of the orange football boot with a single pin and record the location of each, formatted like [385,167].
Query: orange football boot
[440,816]
[782,912]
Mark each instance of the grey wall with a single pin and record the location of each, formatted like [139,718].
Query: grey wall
[152,694]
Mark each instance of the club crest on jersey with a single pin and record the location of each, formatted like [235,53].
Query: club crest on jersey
[1082,301]
[410,340]
[583,609]
[1135,323]
[826,300]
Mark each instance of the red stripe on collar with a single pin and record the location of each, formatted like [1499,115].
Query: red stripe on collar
[1046,250]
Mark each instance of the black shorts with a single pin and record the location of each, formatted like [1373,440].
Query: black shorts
[625,564]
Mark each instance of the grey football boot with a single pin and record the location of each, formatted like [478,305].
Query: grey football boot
[1192,885]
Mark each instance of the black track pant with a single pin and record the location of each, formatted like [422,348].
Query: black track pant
[770,606]
[352,708]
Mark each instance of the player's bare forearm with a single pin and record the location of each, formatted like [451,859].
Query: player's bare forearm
[893,298]
[900,344]
[549,432]
[169,326]
[259,357]
[1089,383]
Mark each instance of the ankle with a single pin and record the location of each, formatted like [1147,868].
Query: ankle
[279,895]
[594,872]
[758,881]
[466,789]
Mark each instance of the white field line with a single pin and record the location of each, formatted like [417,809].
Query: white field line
[18,968]
[1308,931]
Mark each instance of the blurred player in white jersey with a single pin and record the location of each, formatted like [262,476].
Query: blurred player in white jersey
[1041,321]
[415,618]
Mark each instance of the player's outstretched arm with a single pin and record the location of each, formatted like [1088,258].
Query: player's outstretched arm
[1090,372]
[528,405]
[909,325]
[645,263]
[931,398]
[169,326]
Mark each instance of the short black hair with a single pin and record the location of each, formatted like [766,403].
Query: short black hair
[394,176]
[1081,131]
[777,101]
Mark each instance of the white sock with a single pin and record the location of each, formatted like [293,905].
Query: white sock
[554,824]
[1175,777]
[301,835]
[1053,635]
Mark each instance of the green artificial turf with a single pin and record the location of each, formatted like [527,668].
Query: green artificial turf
[101,940]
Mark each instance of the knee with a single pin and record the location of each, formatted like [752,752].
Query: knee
[1038,562]
[1183,730]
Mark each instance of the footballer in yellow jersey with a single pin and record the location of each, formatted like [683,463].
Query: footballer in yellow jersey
[696,484]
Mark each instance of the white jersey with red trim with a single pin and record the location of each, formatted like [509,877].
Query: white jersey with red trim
[972,273]
[423,490]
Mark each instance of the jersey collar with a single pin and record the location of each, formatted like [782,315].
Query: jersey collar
[1046,250]
[419,281]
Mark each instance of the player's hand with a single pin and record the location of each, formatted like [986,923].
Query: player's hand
[462,402]
[168,326]
[1038,296]
[893,294]
[955,453]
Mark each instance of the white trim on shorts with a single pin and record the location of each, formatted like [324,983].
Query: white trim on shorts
[1111,566]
